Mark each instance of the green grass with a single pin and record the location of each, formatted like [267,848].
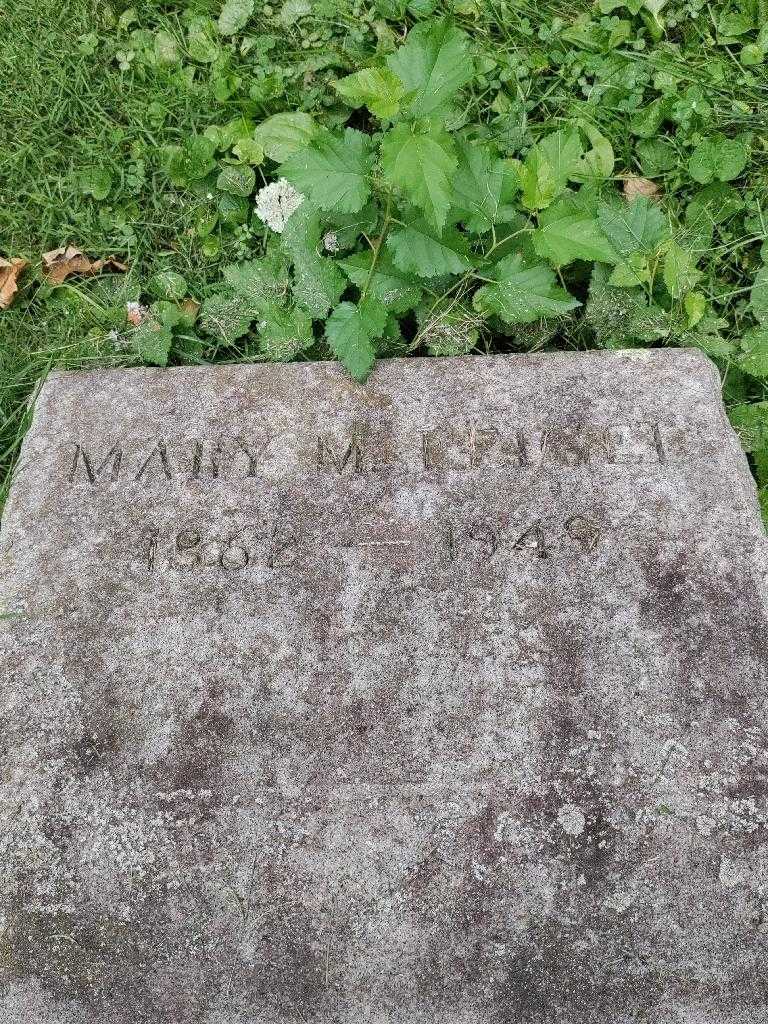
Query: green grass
[91,87]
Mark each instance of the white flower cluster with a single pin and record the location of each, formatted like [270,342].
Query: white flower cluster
[276,202]
[331,241]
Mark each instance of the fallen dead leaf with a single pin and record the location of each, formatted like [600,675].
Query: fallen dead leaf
[59,264]
[190,308]
[10,272]
[635,186]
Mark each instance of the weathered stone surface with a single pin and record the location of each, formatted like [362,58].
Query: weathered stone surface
[438,700]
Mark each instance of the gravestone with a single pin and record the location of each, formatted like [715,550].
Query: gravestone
[441,699]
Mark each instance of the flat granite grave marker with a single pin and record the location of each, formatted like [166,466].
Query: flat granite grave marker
[441,699]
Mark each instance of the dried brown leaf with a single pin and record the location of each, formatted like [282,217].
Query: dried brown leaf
[635,186]
[190,308]
[10,272]
[59,264]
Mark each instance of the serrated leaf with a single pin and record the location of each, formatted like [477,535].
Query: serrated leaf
[317,281]
[631,228]
[419,249]
[378,89]
[567,232]
[334,172]
[754,359]
[282,135]
[758,296]
[283,333]
[226,317]
[351,330]
[680,273]
[483,188]
[395,289]
[433,65]
[751,423]
[523,293]
[619,316]
[153,342]
[260,282]
[421,163]
[235,15]
[237,180]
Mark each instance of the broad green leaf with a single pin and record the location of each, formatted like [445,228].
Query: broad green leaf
[631,228]
[236,179]
[597,163]
[378,89]
[192,161]
[567,232]
[249,151]
[235,15]
[717,157]
[548,167]
[680,273]
[754,360]
[419,249]
[483,188]
[317,281]
[167,284]
[523,293]
[631,272]
[751,423]
[351,331]
[261,282]
[621,316]
[734,23]
[283,333]
[96,182]
[421,163]
[334,172]
[715,204]
[395,289]
[282,135]
[153,342]
[202,42]
[433,65]
[646,121]
[758,297]
[226,317]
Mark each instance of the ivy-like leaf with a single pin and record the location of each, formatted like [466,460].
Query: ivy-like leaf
[334,172]
[419,249]
[483,188]
[317,281]
[395,289]
[421,164]
[351,331]
[632,228]
[568,232]
[378,89]
[433,65]
[523,293]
